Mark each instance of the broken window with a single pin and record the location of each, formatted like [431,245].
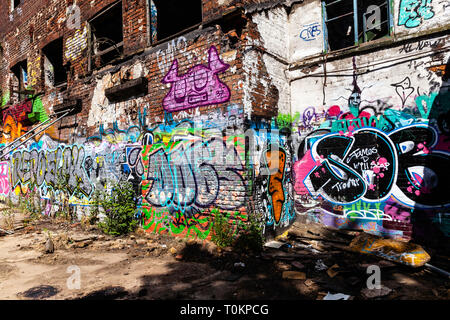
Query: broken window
[107,35]
[15,4]
[352,22]
[19,80]
[55,73]
[170,17]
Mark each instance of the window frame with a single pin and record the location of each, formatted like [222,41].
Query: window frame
[170,37]
[13,6]
[92,50]
[356,41]
[17,70]
[45,54]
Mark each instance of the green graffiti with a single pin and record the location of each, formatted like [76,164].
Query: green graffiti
[287,120]
[5,99]
[424,104]
[177,223]
[38,114]
[196,226]
[379,122]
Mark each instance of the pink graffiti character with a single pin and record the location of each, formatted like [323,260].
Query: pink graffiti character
[200,86]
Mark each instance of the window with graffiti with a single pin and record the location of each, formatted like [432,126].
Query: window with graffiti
[351,22]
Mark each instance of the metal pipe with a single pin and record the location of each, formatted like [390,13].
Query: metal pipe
[325,28]
[24,135]
[355,20]
[329,4]
[2,154]
[343,15]
[438,270]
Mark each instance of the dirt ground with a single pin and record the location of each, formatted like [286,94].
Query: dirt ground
[151,266]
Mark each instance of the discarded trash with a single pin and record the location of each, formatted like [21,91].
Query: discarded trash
[337,296]
[49,247]
[274,244]
[295,275]
[403,252]
[6,231]
[332,272]
[375,293]
[320,266]
[283,236]
[309,282]
[438,270]
[307,247]
[297,264]
[239,264]
[286,246]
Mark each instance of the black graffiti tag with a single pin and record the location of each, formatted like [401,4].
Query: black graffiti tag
[369,164]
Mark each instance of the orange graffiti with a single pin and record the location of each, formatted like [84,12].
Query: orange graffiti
[439,70]
[276,180]
[11,130]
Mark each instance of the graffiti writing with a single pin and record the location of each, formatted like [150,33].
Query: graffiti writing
[413,12]
[310,32]
[4,179]
[47,167]
[276,191]
[371,165]
[196,174]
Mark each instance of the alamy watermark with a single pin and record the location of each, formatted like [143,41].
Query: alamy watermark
[74,281]
[374,281]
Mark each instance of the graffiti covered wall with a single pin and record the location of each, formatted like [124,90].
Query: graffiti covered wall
[247,116]
[373,155]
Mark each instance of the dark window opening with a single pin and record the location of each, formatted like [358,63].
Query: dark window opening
[15,3]
[55,73]
[31,33]
[169,17]
[107,35]
[343,30]
[19,81]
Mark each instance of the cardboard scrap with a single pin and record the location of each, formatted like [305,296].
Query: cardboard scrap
[332,272]
[403,252]
[295,275]
[337,296]
[309,283]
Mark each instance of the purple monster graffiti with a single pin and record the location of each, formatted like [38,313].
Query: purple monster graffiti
[200,86]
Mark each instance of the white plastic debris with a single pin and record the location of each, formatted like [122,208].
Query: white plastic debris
[274,244]
[320,266]
[307,247]
[239,264]
[337,296]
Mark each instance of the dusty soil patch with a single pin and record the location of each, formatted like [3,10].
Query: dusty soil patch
[150,266]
